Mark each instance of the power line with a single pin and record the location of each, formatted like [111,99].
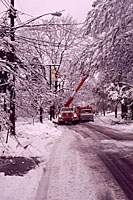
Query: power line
[7,2]
[23,13]
[4,4]
[3,12]
[9,5]
[39,25]
[38,42]
[31,41]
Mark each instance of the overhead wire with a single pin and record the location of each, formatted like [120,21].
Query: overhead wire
[35,41]
[22,38]
[7,2]
[38,42]
[42,25]
[30,41]
[38,17]
[4,4]
[9,5]
[23,13]
[2,12]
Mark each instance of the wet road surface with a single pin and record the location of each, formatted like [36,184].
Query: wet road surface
[118,161]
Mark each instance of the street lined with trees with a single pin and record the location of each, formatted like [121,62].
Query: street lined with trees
[42,61]
[43,64]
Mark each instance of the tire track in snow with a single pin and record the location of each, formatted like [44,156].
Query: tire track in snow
[75,173]
[70,179]
[44,182]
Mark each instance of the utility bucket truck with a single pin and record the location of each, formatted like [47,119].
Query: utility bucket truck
[71,113]
[68,114]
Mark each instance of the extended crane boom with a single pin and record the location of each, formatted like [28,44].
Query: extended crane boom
[73,94]
[71,114]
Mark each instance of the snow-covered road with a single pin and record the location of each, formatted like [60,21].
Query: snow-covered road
[69,169]
[75,172]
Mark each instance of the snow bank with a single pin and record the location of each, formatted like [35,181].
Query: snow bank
[110,121]
[31,141]
[115,145]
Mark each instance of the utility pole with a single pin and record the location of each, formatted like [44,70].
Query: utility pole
[50,78]
[50,75]
[12,15]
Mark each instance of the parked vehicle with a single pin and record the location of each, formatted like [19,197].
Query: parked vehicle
[86,114]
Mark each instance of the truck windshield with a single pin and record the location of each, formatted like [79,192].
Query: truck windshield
[85,111]
[67,109]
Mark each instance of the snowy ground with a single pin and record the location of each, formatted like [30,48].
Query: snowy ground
[32,141]
[37,141]
[109,120]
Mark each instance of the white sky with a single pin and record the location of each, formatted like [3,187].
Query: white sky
[76,8]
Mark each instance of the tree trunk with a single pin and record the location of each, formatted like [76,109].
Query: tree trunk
[103,109]
[124,110]
[131,107]
[116,111]
[41,112]
[5,106]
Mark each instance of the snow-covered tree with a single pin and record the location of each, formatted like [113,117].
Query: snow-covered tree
[109,49]
[55,42]
[110,24]
[37,46]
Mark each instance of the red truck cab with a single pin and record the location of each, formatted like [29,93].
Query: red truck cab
[68,114]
